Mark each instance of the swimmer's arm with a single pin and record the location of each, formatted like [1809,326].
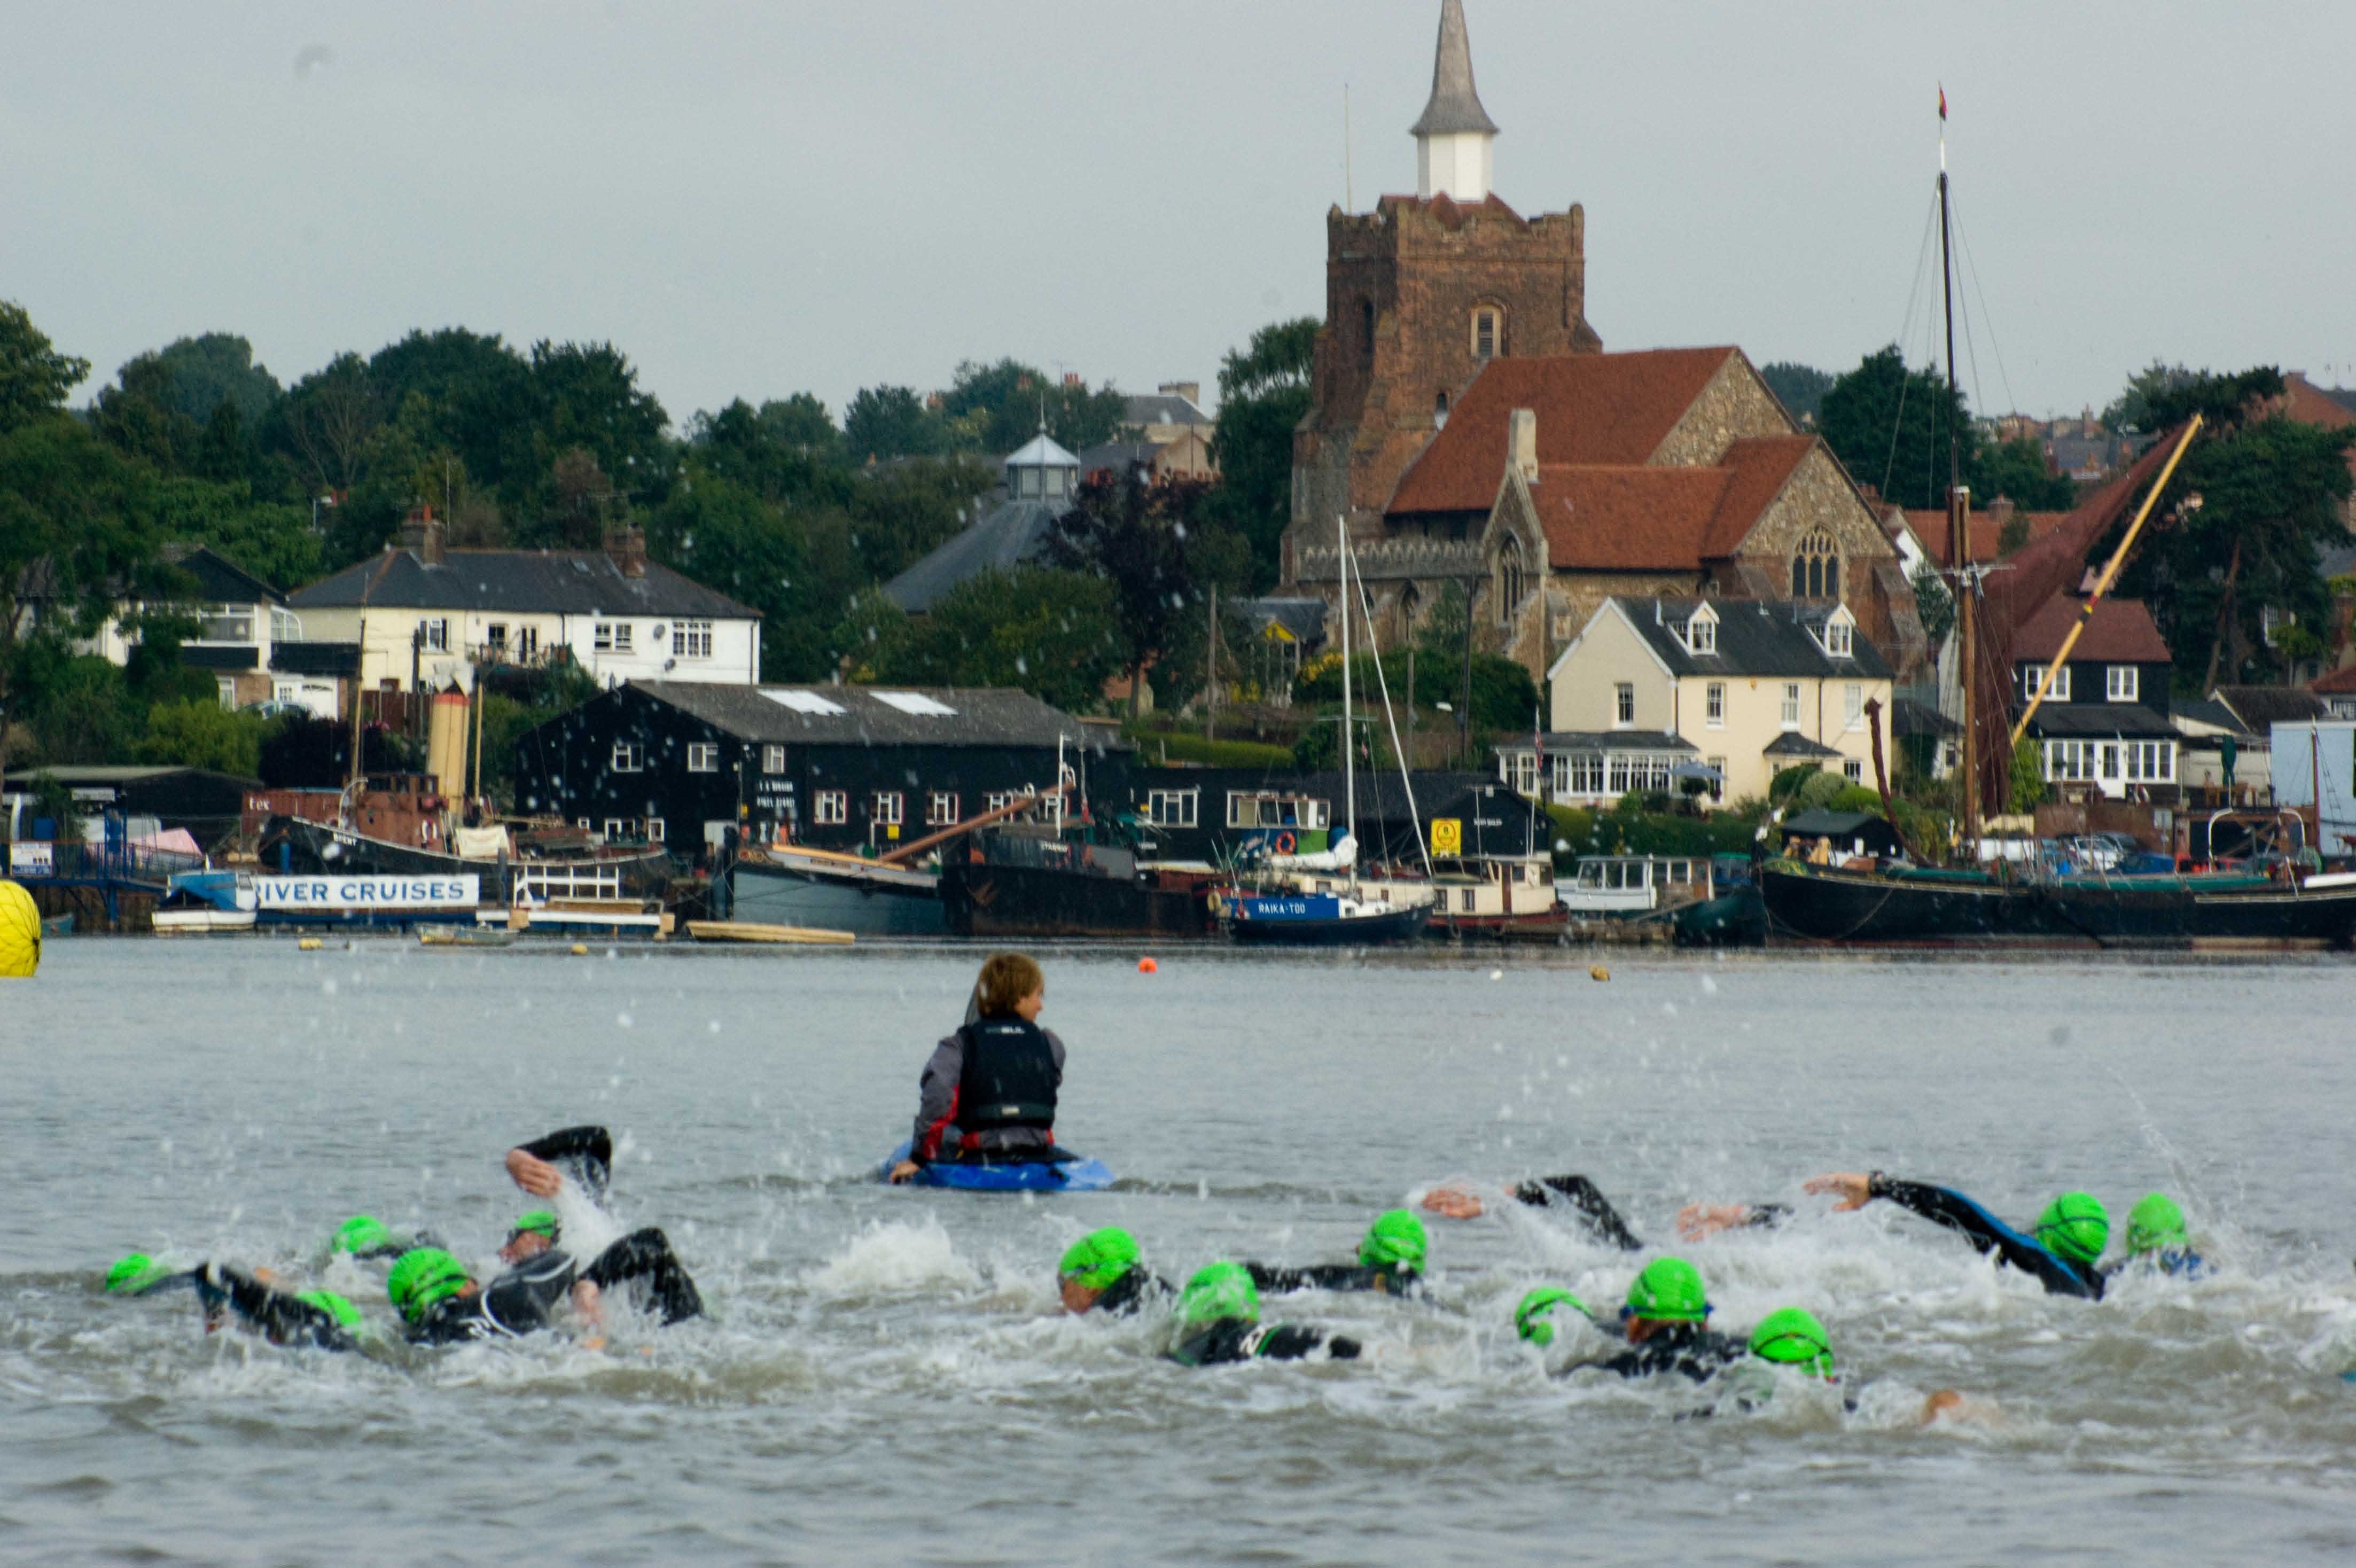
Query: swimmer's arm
[1945,1207]
[587,1302]
[1698,1220]
[589,1150]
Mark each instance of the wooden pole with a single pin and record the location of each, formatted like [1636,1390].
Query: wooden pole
[1211,685]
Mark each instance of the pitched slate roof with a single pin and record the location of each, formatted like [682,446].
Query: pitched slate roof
[873,715]
[2210,713]
[2259,708]
[219,580]
[1454,106]
[2100,720]
[1009,534]
[521,582]
[1162,408]
[1755,637]
[1569,740]
[1612,409]
[1792,743]
[2121,632]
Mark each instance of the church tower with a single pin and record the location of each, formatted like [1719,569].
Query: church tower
[1420,293]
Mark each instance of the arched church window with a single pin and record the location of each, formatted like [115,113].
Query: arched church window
[1816,568]
[1366,328]
[1488,332]
[1510,583]
[1439,409]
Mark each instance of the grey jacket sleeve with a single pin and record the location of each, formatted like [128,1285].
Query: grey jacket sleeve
[936,1097]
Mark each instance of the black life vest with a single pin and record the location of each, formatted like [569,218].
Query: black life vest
[1010,1077]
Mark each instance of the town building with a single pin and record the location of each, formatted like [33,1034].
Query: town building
[843,767]
[1747,688]
[1207,815]
[425,616]
[1467,425]
[1038,485]
[1172,411]
[2104,727]
[243,627]
[1185,455]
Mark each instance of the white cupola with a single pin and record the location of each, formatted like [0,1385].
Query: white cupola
[1452,138]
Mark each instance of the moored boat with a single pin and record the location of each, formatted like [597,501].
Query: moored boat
[788,885]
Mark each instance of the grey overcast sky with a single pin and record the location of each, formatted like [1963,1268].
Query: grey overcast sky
[751,201]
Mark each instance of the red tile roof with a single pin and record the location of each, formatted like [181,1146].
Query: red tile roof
[1630,518]
[2338,683]
[2120,633]
[1608,409]
[1986,531]
[1757,467]
[2307,403]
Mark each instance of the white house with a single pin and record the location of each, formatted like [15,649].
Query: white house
[243,627]
[425,616]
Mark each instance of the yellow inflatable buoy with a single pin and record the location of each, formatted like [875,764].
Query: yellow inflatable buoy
[309,944]
[580,950]
[20,934]
[1599,972]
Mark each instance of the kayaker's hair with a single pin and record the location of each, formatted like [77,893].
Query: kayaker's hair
[1006,979]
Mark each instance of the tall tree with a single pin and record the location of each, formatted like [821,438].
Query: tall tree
[1264,392]
[1054,634]
[34,377]
[993,409]
[1800,388]
[890,422]
[2019,471]
[2132,409]
[1137,536]
[197,375]
[1891,428]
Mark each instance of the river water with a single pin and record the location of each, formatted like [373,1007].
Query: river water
[884,1376]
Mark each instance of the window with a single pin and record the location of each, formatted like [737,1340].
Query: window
[1623,704]
[227,690]
[1488,332]
[830,807]
[1171,808]
[495,638]
[580,822]
[691,639]
[612,637]
[2119,682]
[884,806]
[1701,634]
[285,626]
[286,690]
[224,623]
[1815,569]
[434,635]
[999,799]
[629,756]
[526,642]
[1718,785]
[1559,783]
[773,759]
[1510,581]
[1713,704]
[1525,773]
[654,830]
[1587,775]
[2150,761]
[1840,639]
[1465,898]
[1853,770]
[940,808]
[2110,761]
[702,756]
[1248,809]
[1791,705]
[614,827]
[1853,705]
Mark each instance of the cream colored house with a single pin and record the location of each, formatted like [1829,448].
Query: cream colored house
[1747,687]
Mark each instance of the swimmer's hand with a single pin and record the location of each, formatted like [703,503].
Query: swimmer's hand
[900,1174]
[1453,1203]
[533,1174]
[1698,1220]
[1955,1405]
[1854,1188]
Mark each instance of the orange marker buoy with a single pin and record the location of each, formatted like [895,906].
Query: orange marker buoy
[1147,966]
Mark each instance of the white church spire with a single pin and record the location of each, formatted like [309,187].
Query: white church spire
[1452,138]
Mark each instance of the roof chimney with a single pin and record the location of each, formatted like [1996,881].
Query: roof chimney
[1191,390]
[1521,444]
[421,531]
[627,547]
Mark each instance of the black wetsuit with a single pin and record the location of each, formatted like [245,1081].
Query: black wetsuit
[1595,1210]
[1242,1339]
[1134,1291]
[520,1301]
[186,1279]
[584,1154]
[275,1312]
[1390,1280]
[1686,1348]
[644,1256]
[1941,1206]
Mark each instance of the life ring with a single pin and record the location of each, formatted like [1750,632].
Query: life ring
[1284,842]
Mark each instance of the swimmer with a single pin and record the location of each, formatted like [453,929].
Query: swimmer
[1101,1272]
[643,1257]
[2157,1241]
[136,1273]
[1665,1323]
[1585,1203]
[1390,1259]
[1219,1320]
[365,1236]
[988,1090]
[316,1317]
[2062,1253]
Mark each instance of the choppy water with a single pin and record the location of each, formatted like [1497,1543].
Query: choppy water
[885,1376]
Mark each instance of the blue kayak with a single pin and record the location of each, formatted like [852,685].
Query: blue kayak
[1076,1172]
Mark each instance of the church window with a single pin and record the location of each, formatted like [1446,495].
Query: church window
[1439,409]
[1366,328]
[1510,583]
[1815,569]
[1488,332]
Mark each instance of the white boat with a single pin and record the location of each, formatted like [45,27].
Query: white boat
[1616,885]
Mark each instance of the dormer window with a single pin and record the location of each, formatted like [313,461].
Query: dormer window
[1702,632]
[1839,638]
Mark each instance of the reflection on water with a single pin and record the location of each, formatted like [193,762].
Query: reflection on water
[885,1373]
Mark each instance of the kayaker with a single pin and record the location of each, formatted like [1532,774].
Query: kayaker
[1219,1320]
[988,1090]
[1101,1272]
[1585,1202]
[1390,1259]
[2062,1252]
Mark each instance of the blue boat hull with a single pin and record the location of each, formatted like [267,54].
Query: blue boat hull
[1078,1174]
[1317,921]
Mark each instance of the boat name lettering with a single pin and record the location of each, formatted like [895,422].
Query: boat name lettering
[368,892]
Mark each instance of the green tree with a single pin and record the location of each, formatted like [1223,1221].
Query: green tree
[273,540]
[1264,392]
[994,409]
[1054,634]
[201,732]
[723,535]
[1934,602]
[195,376]
[1135,535]
[2026,776]
[901,514]
[34,377]
[1800,388]
[1891,428]
[801,424]
[2132,409]
[890,422]
[2018,470]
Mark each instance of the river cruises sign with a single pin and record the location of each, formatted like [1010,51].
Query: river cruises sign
[383,891]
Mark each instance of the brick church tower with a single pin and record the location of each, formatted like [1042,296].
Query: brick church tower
[1420,293]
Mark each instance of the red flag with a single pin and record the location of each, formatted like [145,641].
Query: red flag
[1942,103]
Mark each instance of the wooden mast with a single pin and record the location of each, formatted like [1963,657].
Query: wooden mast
[1959,533]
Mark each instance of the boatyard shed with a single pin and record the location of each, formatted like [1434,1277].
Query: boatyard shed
[842,768]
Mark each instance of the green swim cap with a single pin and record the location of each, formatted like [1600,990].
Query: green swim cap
[1395,1238]
[360,1233]
[334,1306]
[2156,1223]
[1097,1259]
[538,1222]
[421,1276]
[1217,1291]
[1793,1338]
[1669,1290]
[2073,1226]
[1530,1317]
[133,1270]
